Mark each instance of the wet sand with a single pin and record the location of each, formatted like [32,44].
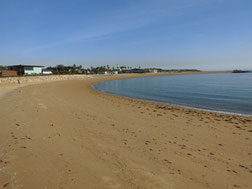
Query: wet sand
[66,135]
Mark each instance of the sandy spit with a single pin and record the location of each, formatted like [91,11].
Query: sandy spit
[66,135]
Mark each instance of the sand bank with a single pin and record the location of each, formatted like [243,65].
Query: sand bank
[66,135]
[8,84]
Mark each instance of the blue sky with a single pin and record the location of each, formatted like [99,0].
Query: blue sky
[202,34]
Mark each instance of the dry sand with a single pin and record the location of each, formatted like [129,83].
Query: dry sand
[66,135]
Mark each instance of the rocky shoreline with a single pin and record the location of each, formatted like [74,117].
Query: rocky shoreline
[30,79]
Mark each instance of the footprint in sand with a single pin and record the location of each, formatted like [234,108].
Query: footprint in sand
[42,106]
[110,182]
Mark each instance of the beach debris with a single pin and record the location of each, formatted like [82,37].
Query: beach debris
[5,185]
[28,137]
[235,185]
[147,142]
[242,166]
[167,161]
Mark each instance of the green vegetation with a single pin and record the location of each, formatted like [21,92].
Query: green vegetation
[74,69]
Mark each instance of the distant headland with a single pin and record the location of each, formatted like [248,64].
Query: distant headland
[240,71]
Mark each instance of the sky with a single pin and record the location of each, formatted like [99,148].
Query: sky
[169,34]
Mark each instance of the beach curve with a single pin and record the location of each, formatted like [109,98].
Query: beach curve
[99,140]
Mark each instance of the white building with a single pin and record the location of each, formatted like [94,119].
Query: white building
[47,72]
[27,69]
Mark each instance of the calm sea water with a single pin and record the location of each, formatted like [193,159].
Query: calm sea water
[230,93]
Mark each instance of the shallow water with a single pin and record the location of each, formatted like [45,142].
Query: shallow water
[229,93]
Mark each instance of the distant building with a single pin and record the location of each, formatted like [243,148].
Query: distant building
[47,72]
[27,69]
[153,70]
[108,72]
[8,73]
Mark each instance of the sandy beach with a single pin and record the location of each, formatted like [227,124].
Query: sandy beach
[64,134]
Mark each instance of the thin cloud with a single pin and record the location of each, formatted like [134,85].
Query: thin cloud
[135,16]
[130,18]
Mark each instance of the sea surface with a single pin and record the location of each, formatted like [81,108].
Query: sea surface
[227,93]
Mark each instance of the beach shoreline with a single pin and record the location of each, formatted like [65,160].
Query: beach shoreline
[182,106]
[81,137]
[132,76]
